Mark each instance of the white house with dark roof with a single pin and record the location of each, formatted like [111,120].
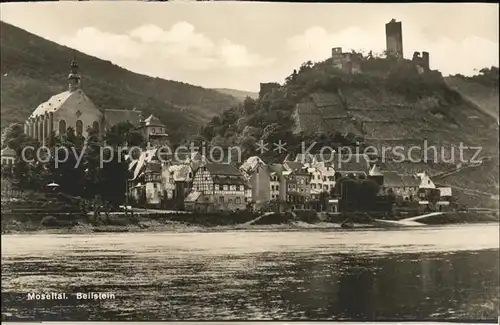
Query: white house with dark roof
[73,108]
[8,156]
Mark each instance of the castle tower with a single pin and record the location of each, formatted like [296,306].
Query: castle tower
[394,39]
[74,78]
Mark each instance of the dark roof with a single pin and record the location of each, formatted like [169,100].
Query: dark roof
[276,168]
[294,165]
[392,179]
[116,116]
[410,180]
[8,152]
[223,169]
[153,121]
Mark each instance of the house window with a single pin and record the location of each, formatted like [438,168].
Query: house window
[221,200]
[225,187]
[242,188]
[272,187]
[221,187]
[277,187]
[230,201]
[238,200]
[155,186]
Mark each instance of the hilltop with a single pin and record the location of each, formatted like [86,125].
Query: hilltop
[391,103]
[33,69]
[240,94]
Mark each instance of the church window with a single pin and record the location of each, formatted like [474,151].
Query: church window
[79,127]
[95,126]
[62,126]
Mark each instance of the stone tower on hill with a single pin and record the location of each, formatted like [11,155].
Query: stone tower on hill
[394,39]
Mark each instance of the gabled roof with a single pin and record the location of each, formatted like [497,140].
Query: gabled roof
[392,179]
[375,171]
[251,163]
[145,157]
[8,152]
[153,121]
[53,104]
[276,168]
[293,166]
[223,169]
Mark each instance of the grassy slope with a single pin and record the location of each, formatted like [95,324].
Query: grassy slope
[33,69]
[486,98]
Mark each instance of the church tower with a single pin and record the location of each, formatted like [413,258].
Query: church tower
[74,78]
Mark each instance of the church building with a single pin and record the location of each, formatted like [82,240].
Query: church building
[73,108]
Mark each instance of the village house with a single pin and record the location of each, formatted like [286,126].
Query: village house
[153,131]
[393,183]
[257,175]
[142,189]
[297,182]
[221,187]
[278,182]
[410,190]
[8,156]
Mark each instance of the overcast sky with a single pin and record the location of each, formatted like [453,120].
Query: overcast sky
[238,45]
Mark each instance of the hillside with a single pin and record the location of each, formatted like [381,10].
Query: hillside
[33,69]
[240,94]
[390,104]
[478,92]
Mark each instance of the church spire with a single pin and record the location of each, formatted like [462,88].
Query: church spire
[74,78]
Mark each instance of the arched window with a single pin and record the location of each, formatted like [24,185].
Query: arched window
[79,127]
[95,126]
[62,127]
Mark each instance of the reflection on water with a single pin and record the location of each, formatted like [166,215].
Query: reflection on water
[421,273]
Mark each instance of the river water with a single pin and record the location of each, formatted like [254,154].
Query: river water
[432,273]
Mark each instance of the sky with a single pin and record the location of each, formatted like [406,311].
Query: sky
[238,45]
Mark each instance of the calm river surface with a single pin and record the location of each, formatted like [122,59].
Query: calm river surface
[413,273]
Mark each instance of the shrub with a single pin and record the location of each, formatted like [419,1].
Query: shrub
[49,221]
